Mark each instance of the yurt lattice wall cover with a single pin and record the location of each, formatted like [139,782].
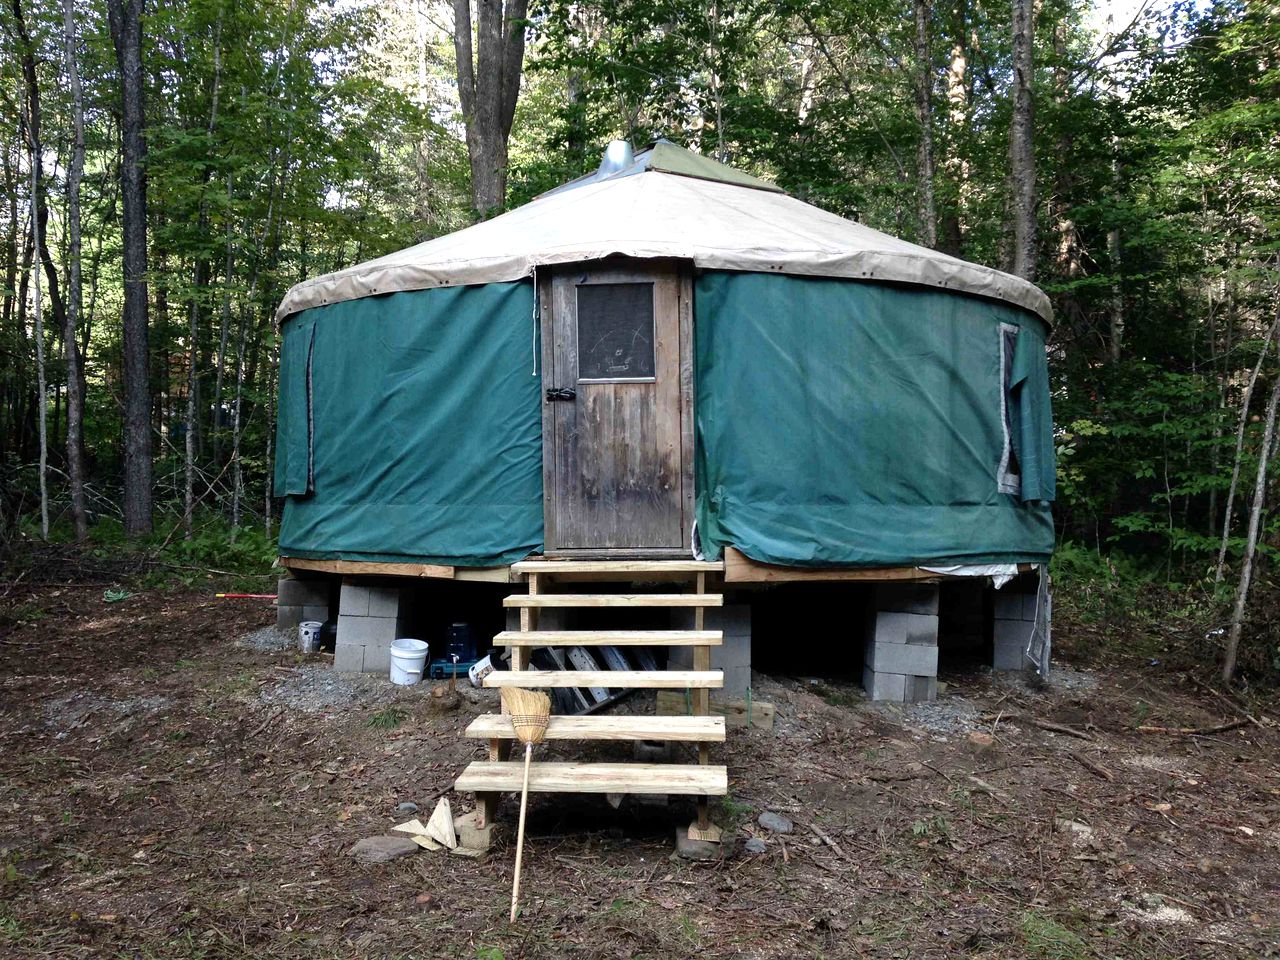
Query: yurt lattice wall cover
[838,422]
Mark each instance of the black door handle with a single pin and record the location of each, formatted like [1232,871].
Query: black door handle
[561,393]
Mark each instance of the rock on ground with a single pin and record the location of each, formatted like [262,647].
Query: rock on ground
[775,822]
[382,849]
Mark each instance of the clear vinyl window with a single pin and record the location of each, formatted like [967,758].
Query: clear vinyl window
[615,332]
[1008,476]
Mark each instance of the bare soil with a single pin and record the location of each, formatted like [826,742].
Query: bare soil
[173,783]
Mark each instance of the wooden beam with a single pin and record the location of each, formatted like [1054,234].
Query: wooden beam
[608,638]
[686,729]
[369,568]
[739,568]
[615,600]
[555,567]
[597,778]
[617,679]
[484,574]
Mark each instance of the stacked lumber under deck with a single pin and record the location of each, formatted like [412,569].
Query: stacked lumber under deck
[488,778]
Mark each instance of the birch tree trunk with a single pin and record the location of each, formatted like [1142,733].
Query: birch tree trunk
[1251,539]
[75,365]
[955,163]
[488,87]
[926,213]
[125,17]
[1241,426]
[1022,162]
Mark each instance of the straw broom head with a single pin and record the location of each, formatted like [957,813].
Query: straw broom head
[529,711]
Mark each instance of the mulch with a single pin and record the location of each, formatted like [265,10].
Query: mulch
[168,792]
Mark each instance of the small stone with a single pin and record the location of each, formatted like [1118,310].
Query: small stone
[755,846]
[1080,833]
[981,742]
[775,822]
[382,849]
[697,849]
[406,808]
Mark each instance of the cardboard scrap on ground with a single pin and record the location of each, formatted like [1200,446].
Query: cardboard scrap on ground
[440,826]
[417,833]
[436,833]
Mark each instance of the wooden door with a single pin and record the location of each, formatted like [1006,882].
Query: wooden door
[618,409]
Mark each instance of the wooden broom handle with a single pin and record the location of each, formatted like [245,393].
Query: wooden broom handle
[524,801]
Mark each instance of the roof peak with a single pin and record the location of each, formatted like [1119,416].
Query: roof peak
[663,156]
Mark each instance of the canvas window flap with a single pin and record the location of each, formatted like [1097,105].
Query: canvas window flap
[295,426]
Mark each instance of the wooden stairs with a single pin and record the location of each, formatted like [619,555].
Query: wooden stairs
[488,778]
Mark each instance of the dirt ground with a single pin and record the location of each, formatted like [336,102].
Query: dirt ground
[174,782]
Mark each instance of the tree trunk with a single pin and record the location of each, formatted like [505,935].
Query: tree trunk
[488,87]
[1251,540]
[75,365]
[1022,161]
[189,444]
[125,18]
[926,214]
[1241,426]
[237,468]
[38,217]
[33,126]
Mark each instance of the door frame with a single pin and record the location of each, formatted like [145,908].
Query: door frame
[683,270]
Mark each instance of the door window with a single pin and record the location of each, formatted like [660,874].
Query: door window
[615,332]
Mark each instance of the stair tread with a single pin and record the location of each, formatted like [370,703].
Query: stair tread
[609,638]
[692,729]
[617,679]
[615,600]
[490,776]
[617,566]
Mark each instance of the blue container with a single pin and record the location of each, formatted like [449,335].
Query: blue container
[459,643]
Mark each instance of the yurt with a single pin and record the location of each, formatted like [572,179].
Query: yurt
[670,367]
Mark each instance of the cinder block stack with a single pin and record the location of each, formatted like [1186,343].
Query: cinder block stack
[1011,629]
[299,600]
[901,662]
[733,656]
[369,619]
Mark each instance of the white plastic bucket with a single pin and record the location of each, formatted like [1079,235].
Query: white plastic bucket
[408,660]
[309,635]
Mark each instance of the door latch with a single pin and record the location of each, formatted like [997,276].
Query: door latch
[561,393]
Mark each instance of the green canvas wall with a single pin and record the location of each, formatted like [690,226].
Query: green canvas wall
[426,442]
[838,423]
[845,423]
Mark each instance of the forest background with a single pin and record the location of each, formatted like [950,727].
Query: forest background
[169,169]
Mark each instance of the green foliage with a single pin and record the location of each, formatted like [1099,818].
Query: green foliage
[388,719]
[1046,939]
[938,827]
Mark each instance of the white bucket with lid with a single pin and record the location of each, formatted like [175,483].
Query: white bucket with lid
[408,661]
[309,635]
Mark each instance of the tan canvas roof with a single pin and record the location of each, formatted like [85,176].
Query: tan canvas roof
[647,211]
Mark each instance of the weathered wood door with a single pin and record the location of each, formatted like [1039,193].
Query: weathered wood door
[618,409]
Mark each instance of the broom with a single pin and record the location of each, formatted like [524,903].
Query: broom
[530,713]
